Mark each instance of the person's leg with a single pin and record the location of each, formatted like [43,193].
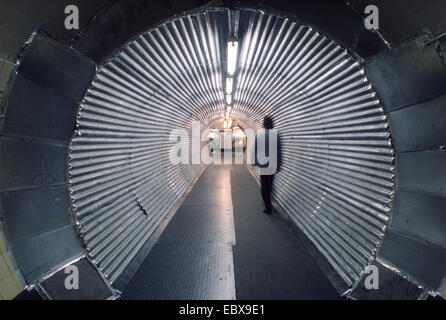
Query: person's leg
[263,186]
[266,186]
[270,189]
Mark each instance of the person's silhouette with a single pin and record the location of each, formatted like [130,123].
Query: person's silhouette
[268,159]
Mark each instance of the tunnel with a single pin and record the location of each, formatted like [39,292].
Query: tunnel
[86,119]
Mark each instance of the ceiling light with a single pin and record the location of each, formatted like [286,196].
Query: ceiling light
[229,83]
[228,99]
[232,56]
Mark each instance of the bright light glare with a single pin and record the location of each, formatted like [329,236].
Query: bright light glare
[213,134]
[232,56]
[229,83]
[228,99]
[238,132]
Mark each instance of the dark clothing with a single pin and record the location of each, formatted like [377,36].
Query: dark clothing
[266,181]
[267,187]
[278,150]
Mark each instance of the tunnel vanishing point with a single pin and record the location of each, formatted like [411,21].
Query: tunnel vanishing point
[85,176]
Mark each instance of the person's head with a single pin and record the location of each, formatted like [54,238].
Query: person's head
[268,123]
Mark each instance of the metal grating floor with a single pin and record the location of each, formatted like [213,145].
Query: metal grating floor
[193,259]
[197,257]
[184,272]
[201,225]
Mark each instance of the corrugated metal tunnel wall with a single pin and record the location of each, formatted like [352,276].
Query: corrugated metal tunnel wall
[338,158]
[337,175]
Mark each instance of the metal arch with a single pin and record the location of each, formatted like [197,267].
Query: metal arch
[336,182]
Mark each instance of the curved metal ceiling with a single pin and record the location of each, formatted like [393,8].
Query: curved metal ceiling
[336,182]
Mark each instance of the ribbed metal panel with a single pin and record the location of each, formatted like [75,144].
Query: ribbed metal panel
[336,181]
[122,183]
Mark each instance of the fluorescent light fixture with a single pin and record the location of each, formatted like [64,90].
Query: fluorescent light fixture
[232,56]
[229,84]
[228,109]
[228,98]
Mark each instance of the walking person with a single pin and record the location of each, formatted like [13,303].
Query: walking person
[268,160]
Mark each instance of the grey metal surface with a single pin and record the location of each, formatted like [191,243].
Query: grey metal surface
[40,254]
[43,61]
[41,112]
[209,195]
[408,74]
[216,224]
[90,285]
[31,164]
[44,90]
[421,216]
[369,44]
[429,120]
[423,171]
[37,118]
[193,257]
[184,272]
[101,37]
[337,179]
[402,19]
[423,261]
[411,80]
[388,281]
[19,17]
[41,208]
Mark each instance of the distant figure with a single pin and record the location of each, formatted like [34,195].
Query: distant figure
[268,159]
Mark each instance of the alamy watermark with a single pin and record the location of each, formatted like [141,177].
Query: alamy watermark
[371,22]
[257,147]
[72,20]
[72,280]
[371,281]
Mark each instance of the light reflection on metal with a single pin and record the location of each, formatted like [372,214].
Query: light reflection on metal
[336,181]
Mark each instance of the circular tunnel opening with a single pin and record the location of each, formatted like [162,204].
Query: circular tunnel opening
[86,123]
[337,179]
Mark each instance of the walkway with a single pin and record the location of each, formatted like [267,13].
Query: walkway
[220,245]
